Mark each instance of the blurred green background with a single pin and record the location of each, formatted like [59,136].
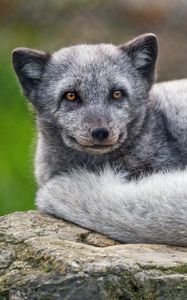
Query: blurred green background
[50,25]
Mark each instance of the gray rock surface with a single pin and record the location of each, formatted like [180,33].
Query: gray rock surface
[44,258]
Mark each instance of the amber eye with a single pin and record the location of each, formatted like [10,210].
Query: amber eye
[70,96]
[117,95]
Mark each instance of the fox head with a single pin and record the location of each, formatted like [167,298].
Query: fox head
[92,94]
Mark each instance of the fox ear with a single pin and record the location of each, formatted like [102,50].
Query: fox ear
[29,65]
[143,51]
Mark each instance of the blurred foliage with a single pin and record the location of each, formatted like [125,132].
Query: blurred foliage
[52,24]
[16,180]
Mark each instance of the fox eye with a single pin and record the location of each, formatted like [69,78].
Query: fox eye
[117,95]
[71,96]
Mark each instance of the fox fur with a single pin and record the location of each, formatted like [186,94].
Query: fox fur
[114,165]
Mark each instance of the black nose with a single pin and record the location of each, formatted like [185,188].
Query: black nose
[100,133]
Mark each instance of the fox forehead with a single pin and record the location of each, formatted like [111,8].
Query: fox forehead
[87,54]
[80,65]
[92,74]
[102,58]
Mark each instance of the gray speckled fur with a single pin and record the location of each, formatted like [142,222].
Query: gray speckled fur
[104,189]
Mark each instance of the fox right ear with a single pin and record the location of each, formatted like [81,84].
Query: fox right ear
[29,66]
[143,52]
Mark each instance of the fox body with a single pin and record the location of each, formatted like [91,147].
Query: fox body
[112,147]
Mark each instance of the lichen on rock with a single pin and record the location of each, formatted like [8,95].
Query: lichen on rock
[44,258]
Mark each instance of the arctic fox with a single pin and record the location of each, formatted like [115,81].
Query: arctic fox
[112,147]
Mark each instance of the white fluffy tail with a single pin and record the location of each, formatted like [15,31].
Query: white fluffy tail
[151,210]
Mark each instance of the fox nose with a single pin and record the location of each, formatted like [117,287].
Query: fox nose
[100,133]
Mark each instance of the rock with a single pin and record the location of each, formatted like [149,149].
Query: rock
[44,258]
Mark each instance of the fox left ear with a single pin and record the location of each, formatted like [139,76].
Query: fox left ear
[29,65]
[143,52]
